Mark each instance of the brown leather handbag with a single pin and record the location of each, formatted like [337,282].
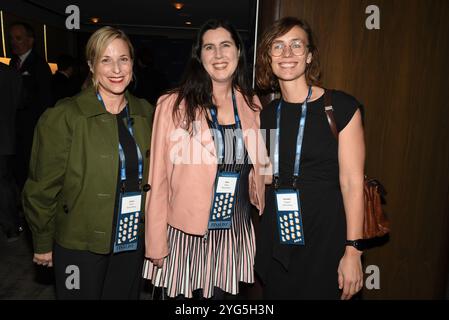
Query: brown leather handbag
[376,224]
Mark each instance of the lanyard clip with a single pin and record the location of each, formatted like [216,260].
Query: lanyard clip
[122,187]
[276,182]
[295,183]
[206,235]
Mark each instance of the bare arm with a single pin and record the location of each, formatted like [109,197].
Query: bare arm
[351,159]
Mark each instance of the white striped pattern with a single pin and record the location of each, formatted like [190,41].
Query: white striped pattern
[222,260]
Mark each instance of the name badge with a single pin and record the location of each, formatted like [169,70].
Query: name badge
[126,233]
[289,217]
[223,202]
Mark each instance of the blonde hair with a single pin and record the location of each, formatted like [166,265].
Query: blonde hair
[98,42]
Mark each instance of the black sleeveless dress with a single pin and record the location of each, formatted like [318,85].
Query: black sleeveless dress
[308,271]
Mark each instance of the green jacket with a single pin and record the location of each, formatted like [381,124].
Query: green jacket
[70,193]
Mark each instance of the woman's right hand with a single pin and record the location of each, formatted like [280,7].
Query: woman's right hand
[157,262]
[44,259]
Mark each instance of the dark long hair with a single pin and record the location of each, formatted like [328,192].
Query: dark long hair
[196,85]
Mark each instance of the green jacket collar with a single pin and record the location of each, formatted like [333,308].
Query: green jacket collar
[91,107]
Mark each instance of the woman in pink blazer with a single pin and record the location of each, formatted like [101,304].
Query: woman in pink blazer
[208,164]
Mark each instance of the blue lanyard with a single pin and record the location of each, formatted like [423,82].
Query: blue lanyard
[120,149]
[299,139]
[218,128]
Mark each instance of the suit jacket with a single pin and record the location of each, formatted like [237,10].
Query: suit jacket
[10,97]
[63,87]
[36,76]
[183,170]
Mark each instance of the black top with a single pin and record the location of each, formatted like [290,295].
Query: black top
[130,150]
[319,159]
[312,267]
[230,164]
[131,164]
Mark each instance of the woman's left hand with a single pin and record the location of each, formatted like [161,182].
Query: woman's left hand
[350,275]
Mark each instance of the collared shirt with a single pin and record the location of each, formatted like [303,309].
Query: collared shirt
[23,57]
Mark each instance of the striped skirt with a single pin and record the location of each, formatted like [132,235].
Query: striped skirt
[223,259]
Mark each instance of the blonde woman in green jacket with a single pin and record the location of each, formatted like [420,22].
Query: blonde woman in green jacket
[84,195]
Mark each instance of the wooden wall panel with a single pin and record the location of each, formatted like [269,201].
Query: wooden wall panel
[399,73]
[268,12]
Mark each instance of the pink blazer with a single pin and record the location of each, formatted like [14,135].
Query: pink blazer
[183,169]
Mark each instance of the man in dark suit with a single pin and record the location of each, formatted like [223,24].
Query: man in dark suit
[36,77]
[10,97]
[63,82]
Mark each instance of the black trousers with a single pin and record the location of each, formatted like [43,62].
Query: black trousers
[89,276]
[9,216]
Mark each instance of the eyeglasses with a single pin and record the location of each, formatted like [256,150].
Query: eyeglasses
[297,47]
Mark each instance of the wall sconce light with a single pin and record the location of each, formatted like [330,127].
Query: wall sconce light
[178,5]
[4,59]
[53,66]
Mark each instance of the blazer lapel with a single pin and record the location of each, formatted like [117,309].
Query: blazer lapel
[203,135]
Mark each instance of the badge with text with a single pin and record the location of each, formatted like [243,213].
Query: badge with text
[289,217]
[126,234]
[224,200]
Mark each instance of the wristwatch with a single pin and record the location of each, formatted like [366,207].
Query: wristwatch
[359,244]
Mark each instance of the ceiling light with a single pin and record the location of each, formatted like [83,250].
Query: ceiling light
[178,5]
[94,19]
[188,23]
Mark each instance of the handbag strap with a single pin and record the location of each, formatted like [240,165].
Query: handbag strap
[329,110]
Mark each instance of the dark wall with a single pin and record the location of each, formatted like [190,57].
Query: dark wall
[399,73]
[59,40]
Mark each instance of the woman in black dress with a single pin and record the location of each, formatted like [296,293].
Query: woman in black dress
[311,257]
